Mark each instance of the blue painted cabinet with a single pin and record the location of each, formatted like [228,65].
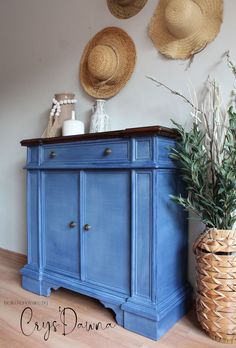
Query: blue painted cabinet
[101,222]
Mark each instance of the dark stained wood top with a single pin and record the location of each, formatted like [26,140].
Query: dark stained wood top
[140,131]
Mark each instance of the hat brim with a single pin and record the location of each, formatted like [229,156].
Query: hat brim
[124,45]
[128,11]
[175,48]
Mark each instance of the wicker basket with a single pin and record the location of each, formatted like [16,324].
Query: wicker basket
[215,252]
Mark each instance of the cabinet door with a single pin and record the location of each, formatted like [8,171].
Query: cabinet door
[106,230]
[61,225]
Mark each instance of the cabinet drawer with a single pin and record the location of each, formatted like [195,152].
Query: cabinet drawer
[101,152]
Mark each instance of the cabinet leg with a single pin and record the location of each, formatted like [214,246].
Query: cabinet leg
[157,325]
[39,287]
[142,326]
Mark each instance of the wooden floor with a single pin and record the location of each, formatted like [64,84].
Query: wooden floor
[185,334]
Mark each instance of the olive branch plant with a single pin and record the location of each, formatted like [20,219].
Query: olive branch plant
[206,155]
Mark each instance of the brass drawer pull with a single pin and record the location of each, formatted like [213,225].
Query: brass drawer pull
[87,227]
[52,154]
[72,224]
[107,151]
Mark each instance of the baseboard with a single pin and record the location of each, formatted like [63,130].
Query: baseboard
[12,255]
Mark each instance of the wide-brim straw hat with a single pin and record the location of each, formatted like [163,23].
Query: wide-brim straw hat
[181,28]
[125,8]
[107,63]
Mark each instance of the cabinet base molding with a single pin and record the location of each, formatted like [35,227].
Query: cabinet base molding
[146,321]
[33,282]
[154,321]
[119,313]
[39,287]
[155,329]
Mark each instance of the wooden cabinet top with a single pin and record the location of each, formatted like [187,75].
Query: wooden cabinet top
[129,132]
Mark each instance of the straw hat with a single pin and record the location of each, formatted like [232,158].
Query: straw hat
[125,8]
[107,63]
[180,28]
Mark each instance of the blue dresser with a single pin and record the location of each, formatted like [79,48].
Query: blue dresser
[101,223]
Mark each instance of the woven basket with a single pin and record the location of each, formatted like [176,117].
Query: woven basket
[215,252]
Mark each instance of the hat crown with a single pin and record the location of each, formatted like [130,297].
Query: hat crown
[183,18]
[102,62]
[124,2]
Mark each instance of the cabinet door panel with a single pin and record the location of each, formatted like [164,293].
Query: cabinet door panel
[107,242]
[61,206]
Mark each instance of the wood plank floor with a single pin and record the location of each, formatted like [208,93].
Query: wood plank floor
[185,334]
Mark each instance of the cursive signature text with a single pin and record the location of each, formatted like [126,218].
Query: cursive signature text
[67,323]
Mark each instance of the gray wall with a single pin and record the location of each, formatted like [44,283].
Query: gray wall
[41,42]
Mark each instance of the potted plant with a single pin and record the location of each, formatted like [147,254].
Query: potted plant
[206,155]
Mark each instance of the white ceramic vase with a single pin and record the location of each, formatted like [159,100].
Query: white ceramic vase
[100,121]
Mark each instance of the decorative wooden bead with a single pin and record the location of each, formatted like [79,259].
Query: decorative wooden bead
[56,107]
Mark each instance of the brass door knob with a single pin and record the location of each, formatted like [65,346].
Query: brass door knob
[107,151]
[72,224]
[52,154]
[87,227]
